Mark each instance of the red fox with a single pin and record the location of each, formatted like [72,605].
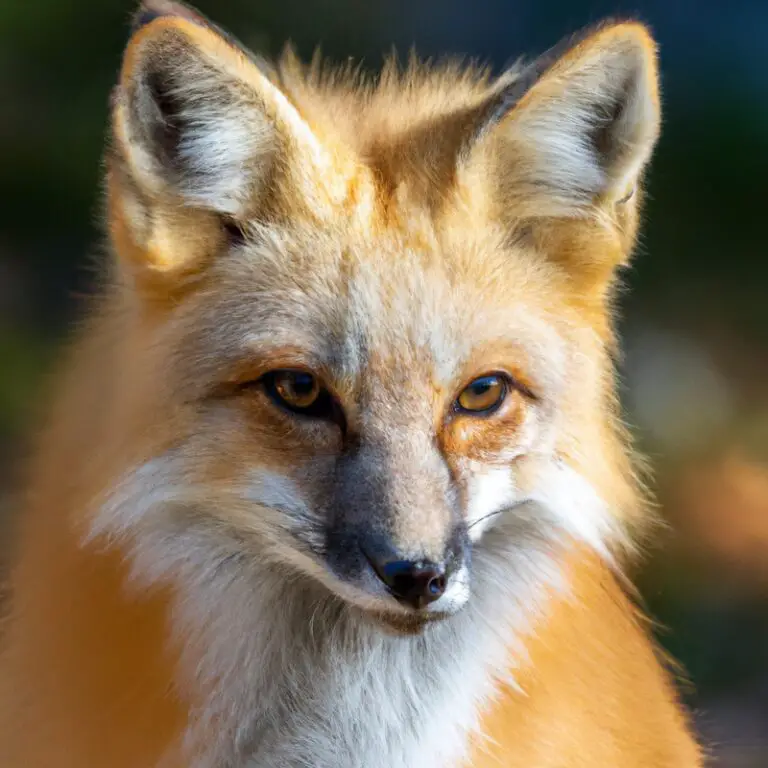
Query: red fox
[334,475]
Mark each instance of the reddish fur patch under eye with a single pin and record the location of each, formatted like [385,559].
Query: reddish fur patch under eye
[479,438]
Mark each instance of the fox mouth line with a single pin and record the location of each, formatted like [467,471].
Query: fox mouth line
[405,625]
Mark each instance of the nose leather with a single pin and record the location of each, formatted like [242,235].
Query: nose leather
[414,583]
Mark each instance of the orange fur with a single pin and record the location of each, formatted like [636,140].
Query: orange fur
[590,671]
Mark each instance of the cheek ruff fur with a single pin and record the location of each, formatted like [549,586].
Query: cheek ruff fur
[290,668]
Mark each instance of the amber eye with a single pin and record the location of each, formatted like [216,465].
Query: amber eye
[302,393]
[483,395]
[296,389]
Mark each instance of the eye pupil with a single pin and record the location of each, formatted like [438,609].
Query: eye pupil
[303,383]
[483,395]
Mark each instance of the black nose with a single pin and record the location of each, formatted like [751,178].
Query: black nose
[417,584]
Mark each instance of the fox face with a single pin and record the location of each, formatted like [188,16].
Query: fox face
[364,328]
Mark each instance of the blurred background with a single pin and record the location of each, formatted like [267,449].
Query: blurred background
[695,375]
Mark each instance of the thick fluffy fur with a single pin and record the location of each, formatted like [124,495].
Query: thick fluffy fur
[189,588]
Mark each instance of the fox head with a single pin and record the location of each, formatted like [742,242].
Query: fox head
[362,330]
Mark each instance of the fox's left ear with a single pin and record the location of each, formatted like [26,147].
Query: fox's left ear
[576,128]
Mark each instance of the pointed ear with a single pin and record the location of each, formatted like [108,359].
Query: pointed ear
[200,130]
[575,128]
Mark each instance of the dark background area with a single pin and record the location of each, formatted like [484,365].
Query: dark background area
[695,331]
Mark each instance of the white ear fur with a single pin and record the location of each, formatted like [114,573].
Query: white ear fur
[584,129]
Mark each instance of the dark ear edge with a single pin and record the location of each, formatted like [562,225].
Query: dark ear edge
[152,10]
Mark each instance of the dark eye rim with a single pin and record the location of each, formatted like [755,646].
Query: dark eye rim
[234,231]
[511,384]
[507,384]
[325,407]
[293,380]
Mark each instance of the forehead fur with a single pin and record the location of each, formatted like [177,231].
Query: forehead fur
[426,297]
[407,123]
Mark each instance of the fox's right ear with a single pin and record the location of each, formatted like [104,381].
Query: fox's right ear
[200,130]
